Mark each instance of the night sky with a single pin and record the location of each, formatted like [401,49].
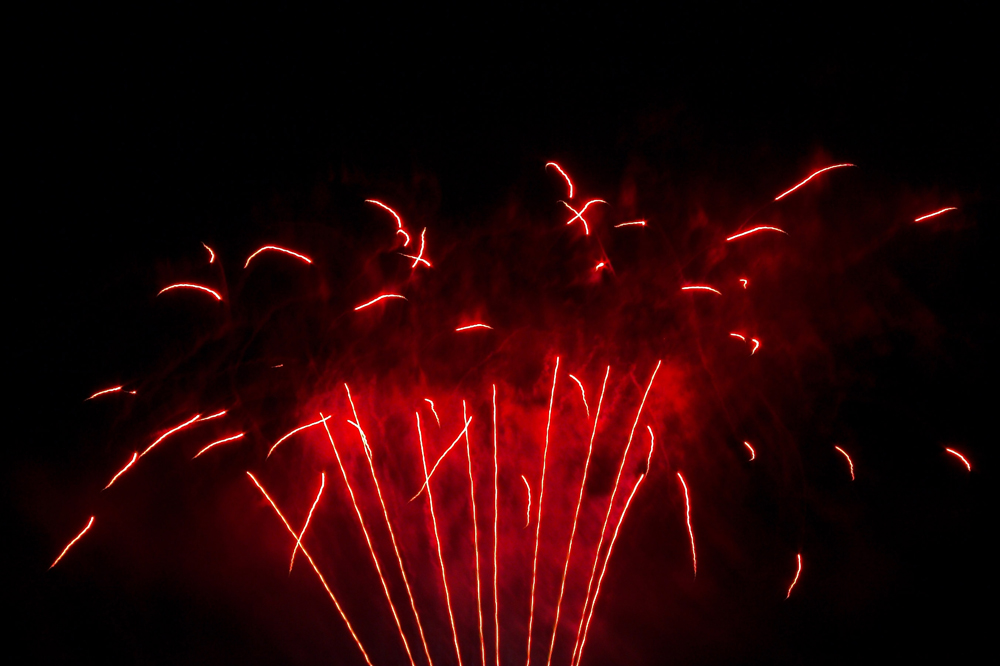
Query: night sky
[137,136]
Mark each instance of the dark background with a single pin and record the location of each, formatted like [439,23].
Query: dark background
[136,134]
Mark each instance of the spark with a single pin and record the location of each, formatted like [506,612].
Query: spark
[811,176]
[406,243]
[377,299]
[583,393]
[298,540]
[287,435]
[576,513]
[170,432]
[599,266]
[221,441]
[753,454]
[75,539]
[541,496]
[753,231]
[687,505]
[184,285]
[737,335]
[960,457]
[211,254]
[471,326]
[213,416]
[637,223]
[701,287]
[527,512]
[441,458]
[579,214]
[849,461]
[475,538]
[364,530]
[113,389]
[934,214]
[433,411]
[496,520]
[756,346]
[798,571]
[437,539]
[745,282]
[560,170]
[399,220]
[322,580]
[135,456]
[420,255]
[275,248]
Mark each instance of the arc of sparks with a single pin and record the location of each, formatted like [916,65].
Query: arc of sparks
[753,454]
[298,540]
[475,538]
[687,514]
[433,411]
[496,521]
[73,541]
[527,511]
[283,250]
[211,253]
[958,455]
[170,432]
[811,176]
[472,326]
[849,461]
[437,540]
[186,285]
[441,458]
[399,220]
[579,214]
[934,214]
[225,440]
[583,393]
[420,255]
[798,571]
[377,299]
[744,282]
[299,429]
[113,389]
[563,173]
[738,335]
[756,346]
[319,575]
[753,231]
[701,287]
[135,456]
[636,223]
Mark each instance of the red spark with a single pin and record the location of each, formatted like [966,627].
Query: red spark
[440,459]
[322,580]
[687,505]
[579,214]
[797,572]
[211,254]
[753,454]
[377,299]
[433,411]
[184,285]
[283,250]
[113,389]
[527,511]
[496,520]
[420,255]
[960,457]
[170,432]
[560,170]
[213,416]
[811,176]
[934,214]
[298,540]
[737,335]
[701,287]
[745,282]
[399,220]
[406,243]
[472,326]
[849,461]
[753,231]
[636,223]
[287,435]
[583,393]
[135,456]
[221,441]
[756,346]
[475,537]
[599,266]
[75,539]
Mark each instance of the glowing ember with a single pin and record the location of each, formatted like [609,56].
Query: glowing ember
[135,456]
[958,455]
[850,462]
[183,285]
[810,177]
[73,541]
[934,214]
[798,571]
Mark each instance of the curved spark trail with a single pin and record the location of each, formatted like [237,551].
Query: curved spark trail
[437,540]
[377,299]
[579,214]
[419,259]
[221,441]
[756,346]
[637,223]
[441,458]
[745,282]
[797,572]
[811,176]
[275,248]
[849,461]
[433,411]
[960,457]
[737,335]
[541,496]
[583,393]
[475,537]
[298,541]
[114,389]
[560,170]
[753,454]
[496,520]
[211,254]
[399,220]
[322,580]
[185,285]
[162,437]
[687,513]
[299,429]
[527,512]
[75,539]
[934,214]
[472,326]
[406,243]
[135,456]
[753,231]
[576,513]
[701,287]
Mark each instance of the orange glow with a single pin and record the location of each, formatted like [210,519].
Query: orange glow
[114,389]
[756,346]
[322,580]
[275,248]
[753,454]
[701,287]
[135,456]
[579,214]
[440,459]
[299,429]
[184,285]
[811,176]
[745,282]
[527,511]
[433,411]
[211,254]
[399,220]
[960,457]
[420,255]
[583,393]
[75,539]
[475,538]
[755,230]
[934,214]
[170,432]
[797,572]
[560,170]
[472,326]
[377,299]
[637,223]
[687,505]
[221,441]
[737,335]
[496,520]
[849,461]
[298,540]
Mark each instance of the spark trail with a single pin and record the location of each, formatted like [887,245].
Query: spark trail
[563,173]
[298,540]
[441,458]
[377,299]
[849,461]
[220,441]
[810,177]
[496,521]
[135,456]
[73,541]
[583,394]
[282,250]
[162,437]
[934,214]
[958,455]
[687,514]
[299,429]
[753,231]
[185,285]
[475,537]
[798,571]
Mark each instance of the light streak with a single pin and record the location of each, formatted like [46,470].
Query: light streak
[399,220]
[475,538]
[371,548]
[756,346]
[113,389]
[745,282]
[185,285]
[221,441]
[849,461]
[637,223]
[213,416]
[560,170]
[472,326]
[934,214]
[737,335]
[420,255]
[135,456]
[377,299]
[322,580]
[583,393]
[298,540]
[496,521]
[406,243]
[527,511]
[798,571]
[541,496]
[753,231]
[433,411]
[211,254]
[299,429]
[701,287]
[753,454]
[75,539]
[437,540]
[440,459]
[275,248]
[579,214]
[960,457]
[599,266]
[811,176]
[576,513]
[170,432]
[687,513]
